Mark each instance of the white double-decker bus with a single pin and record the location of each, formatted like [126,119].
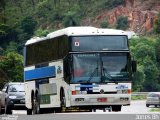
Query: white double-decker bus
[78,67]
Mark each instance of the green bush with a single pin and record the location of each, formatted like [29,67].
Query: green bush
[138,97]
[104,24]
[122,23]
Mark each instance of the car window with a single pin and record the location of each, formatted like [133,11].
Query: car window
[150,94]
[156,95]
[16,88]
[153,95]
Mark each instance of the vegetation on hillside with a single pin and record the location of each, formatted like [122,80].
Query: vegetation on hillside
[147,76]
[21,20]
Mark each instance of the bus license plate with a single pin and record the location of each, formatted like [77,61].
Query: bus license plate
[79,99]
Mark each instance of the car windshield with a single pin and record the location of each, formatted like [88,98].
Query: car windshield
[16,88]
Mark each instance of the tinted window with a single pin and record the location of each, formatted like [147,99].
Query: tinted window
[99,43]
[47,50]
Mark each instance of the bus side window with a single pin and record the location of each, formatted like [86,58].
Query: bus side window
[67,69]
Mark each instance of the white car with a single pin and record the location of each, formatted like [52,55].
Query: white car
[153,98]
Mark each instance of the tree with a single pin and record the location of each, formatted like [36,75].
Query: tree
[7,34]
[157,25]
[70,20]
[151,75]
[138,79]
[11,47]
[2,11]
[12,66]
[104,24]
[41,32]
[28,25]
[145,79]
[122,23]
[157,49]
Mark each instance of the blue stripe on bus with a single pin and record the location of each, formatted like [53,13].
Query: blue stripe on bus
[39,73]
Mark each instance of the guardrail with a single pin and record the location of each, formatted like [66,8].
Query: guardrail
[139,93]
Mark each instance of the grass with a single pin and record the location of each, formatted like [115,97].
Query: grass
[138,97]
[155,110]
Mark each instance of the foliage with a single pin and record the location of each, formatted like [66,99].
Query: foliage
[157,25]
[41,33]
[11,47]
[122,23]
[70,20]
[146,77]
[138,79]
[7,34]
[104,24]
[109,4]
[28,25]
[17,27]
[155,110]
[138,97]
[157,49]
[12,66]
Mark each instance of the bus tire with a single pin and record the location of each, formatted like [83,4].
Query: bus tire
[63,100]
[29,111]
[0,108]
[36,105]
[116,108]
[8,109]
[104,109]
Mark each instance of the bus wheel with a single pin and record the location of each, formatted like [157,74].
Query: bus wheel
[36,105]
[7,109]
[29,111]
[116,108]
[104,109]
[94,110]
[63,102]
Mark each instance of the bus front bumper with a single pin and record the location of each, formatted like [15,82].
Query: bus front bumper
[100,99]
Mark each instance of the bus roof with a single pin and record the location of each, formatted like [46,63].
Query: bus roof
[78,31]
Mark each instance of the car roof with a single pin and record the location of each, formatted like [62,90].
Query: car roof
[154,93]
[14,83]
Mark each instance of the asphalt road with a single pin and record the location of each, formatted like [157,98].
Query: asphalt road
[136,111]
[135,107]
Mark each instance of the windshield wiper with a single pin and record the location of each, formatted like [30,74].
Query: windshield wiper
[92,74]
[106,73]
[80,81]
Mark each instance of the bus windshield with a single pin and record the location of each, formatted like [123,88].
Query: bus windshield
[99,43]
[86,67]
[115,66]
[100,67]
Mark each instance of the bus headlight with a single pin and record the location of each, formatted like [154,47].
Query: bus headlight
[78,92]
[127,91]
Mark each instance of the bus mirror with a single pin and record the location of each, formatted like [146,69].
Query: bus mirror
[134,66]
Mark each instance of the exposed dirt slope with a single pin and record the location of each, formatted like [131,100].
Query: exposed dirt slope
[141,15]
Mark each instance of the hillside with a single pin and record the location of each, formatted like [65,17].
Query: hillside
[141,15]
[51,15]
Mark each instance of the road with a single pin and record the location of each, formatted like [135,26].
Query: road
[128,113]
[135,107]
